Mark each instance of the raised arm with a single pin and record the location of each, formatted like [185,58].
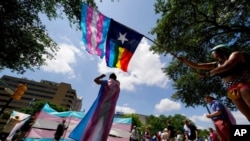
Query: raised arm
[98,80]
[202,66]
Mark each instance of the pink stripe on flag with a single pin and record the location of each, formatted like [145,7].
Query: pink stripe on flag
[89,31]
[95,26]
[99,32]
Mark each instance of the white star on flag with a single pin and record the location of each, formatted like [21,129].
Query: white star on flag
[122,37]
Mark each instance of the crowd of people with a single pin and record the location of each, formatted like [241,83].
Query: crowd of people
[189,133]
[218,113]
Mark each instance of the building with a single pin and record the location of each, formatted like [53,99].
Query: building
[58,93]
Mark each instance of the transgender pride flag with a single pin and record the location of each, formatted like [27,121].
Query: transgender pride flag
[94,27]
[104,36]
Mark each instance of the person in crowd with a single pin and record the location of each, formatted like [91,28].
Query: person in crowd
[233,68]
[158,136]
[60,130]
[96,124]
[147,135]
[190,131]
[220,118]
[134,134]
[11,123]
[171,131]
[213,135]
[154,138]
[164,134]
[179,136]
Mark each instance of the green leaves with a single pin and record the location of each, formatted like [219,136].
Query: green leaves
[191,29]
[23,38]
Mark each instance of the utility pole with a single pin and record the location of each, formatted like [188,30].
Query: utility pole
[6,105]
[11,92]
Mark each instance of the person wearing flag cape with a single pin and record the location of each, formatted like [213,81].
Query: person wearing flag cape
[97,123]
[221,117]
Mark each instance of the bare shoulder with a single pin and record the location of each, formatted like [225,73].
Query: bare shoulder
[236,55]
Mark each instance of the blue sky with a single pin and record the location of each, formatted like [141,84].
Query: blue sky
[144,88]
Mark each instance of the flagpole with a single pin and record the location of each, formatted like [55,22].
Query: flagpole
[146,38]
[65,132]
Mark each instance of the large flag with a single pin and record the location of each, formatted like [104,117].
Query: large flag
[46,121]
[121,41]
[96,124]
[120,45]
[15,125]
[94,27]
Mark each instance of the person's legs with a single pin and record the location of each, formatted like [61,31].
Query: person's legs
[57,137]
[240,96]
[223,129]
[242,107]
[243,104]
[245,94]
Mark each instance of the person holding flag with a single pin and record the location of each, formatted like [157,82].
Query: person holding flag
[233,68]
[221,118]
[96,124]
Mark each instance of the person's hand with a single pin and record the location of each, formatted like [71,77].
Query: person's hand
[103,75]
[208,116]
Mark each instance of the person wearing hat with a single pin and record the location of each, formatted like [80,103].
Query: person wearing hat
[233,68]
[219,117]
[164,135]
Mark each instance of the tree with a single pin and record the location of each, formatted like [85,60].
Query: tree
[135,119]
[24,40]
[191,28]
[156,124]
[160,123]
[37,106]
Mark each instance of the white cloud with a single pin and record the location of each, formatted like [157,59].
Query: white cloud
[145,68]
[64,59]
[125,109]
[201,118]
[167,105]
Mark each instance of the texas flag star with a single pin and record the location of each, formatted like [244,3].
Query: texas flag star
[122,37]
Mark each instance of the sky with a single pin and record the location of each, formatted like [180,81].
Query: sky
[145,89]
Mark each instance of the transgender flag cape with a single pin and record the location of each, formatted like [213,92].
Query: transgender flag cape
[96,124]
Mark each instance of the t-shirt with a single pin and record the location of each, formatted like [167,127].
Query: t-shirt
[191,131]
[134,134]
[60,129]
[171,128]
[217,106]
[164,136]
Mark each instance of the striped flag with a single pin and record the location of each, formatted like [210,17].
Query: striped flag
[121,45]
[104,36]
[94,27]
